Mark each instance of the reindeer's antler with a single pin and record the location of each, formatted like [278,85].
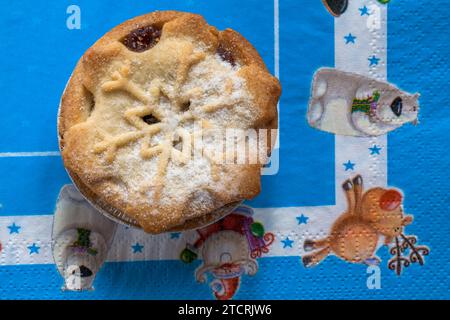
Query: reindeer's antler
[398,261]
[416,254]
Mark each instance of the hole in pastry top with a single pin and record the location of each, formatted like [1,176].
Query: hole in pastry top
[150,119]
[142,39]
[185,106]
[178,144]
[226,54]
[89,101]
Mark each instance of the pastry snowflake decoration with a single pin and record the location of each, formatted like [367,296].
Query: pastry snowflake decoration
[149,122]
[133,118]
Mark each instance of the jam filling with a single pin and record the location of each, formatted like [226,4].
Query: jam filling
[142,39]
[226,55]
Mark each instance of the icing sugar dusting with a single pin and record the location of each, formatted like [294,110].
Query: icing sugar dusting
[210,83]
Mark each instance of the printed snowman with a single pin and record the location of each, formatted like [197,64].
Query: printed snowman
[81,239]
[229,249]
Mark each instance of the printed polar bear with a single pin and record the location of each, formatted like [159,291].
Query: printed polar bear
[354,105]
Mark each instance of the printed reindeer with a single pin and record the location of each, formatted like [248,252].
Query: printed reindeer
[355,234]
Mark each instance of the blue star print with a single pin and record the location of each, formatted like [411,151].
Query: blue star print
[349,38]
[14,228]
[302,219]
[375,149]
[137,247]
[174,235]
[349,165]
[373,61]
[364,11]
[287,242]
[34,249]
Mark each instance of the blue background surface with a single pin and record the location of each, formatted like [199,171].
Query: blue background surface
[39,52]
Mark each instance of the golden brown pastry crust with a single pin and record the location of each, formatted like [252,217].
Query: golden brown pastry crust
[92,104]
[121,217]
